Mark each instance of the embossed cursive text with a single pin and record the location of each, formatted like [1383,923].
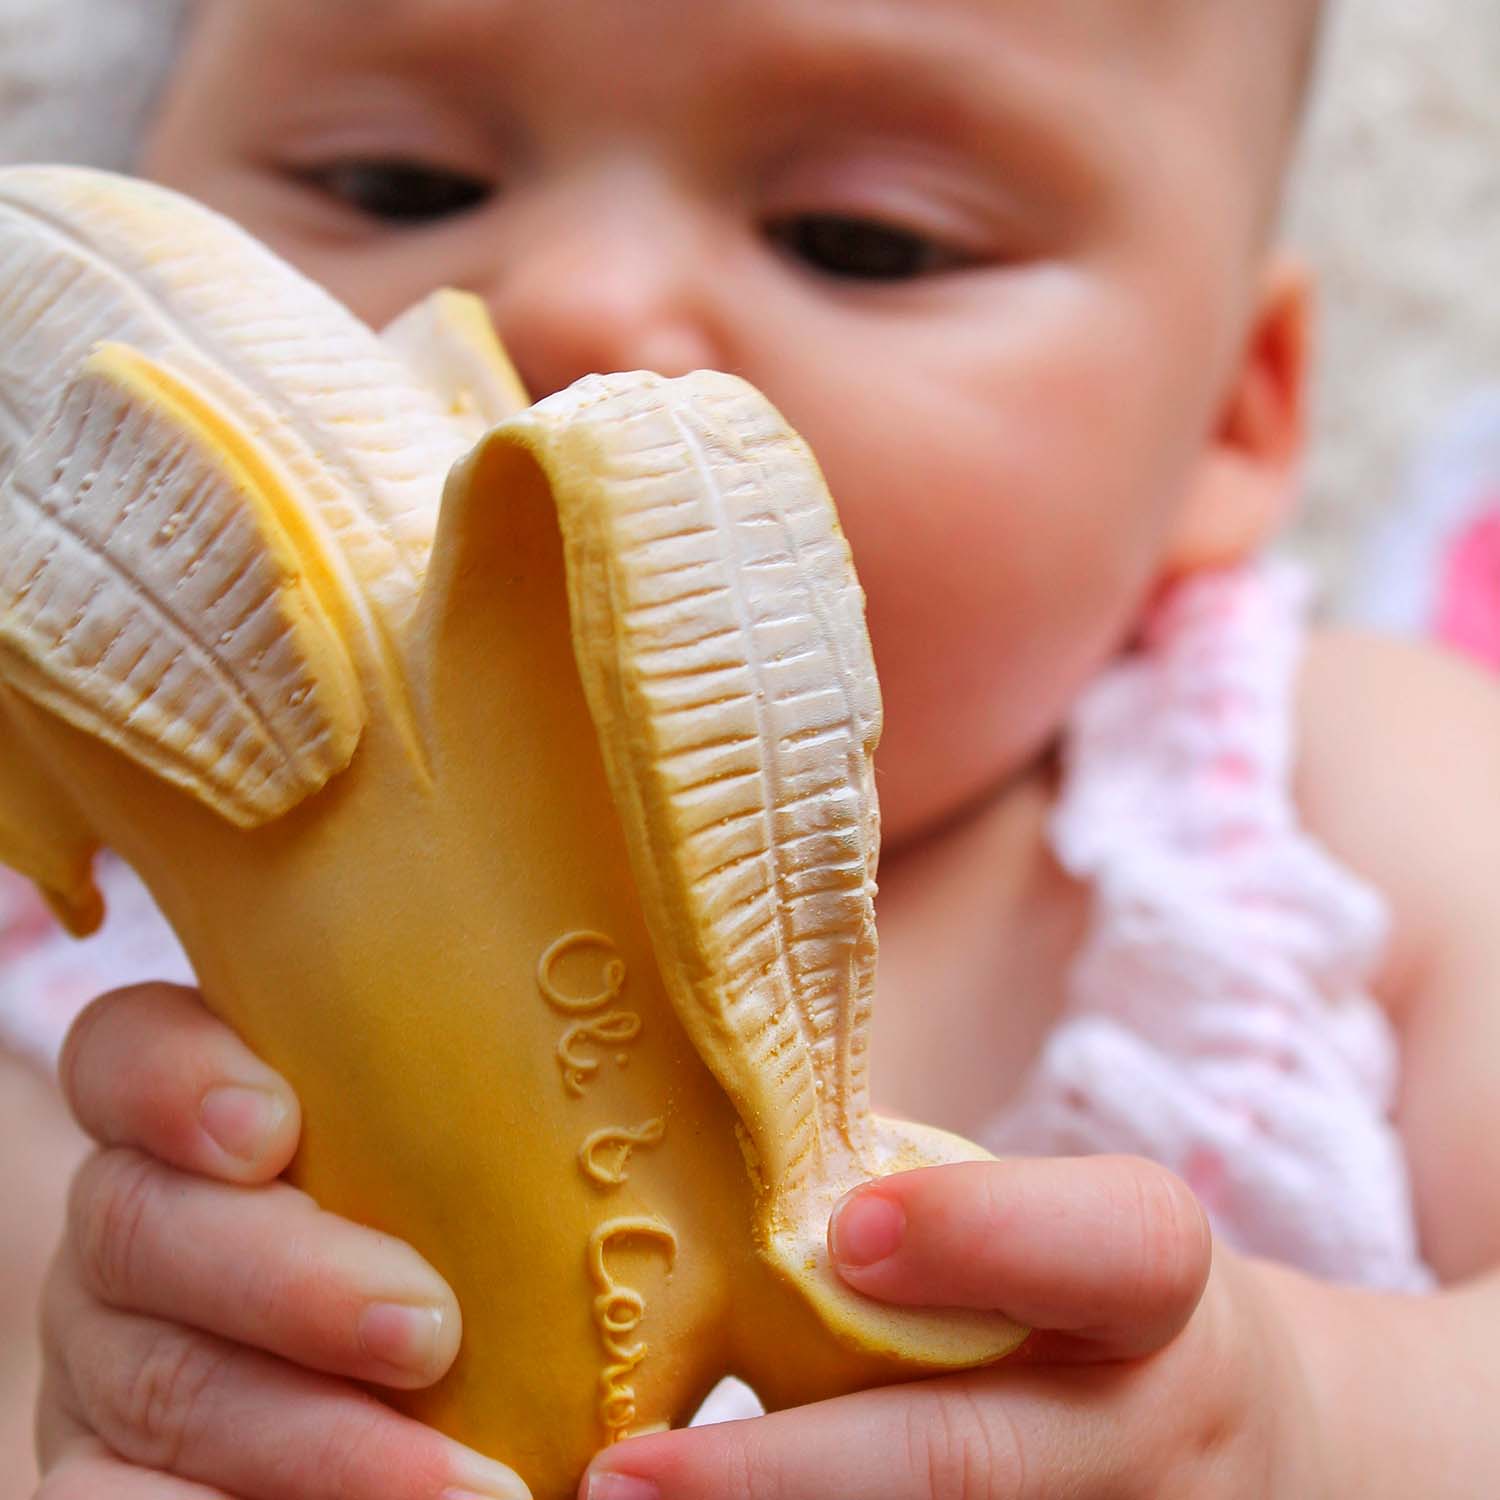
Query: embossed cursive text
[618,1312]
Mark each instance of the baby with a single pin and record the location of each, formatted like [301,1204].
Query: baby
[1156,878]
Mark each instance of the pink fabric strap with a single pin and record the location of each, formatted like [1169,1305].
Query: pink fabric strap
[1219,1016]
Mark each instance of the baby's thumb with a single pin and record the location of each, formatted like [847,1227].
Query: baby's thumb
[1104,1256]
[149,1067]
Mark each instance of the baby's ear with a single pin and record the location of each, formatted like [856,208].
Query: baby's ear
[1248,480]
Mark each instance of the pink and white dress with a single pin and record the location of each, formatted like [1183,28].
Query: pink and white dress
[1219,1015]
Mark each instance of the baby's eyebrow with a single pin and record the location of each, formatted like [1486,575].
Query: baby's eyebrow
[1011,55]
[414,19]
[383,10]
[956,65]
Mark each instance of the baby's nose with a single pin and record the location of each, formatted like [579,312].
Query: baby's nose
[606,281]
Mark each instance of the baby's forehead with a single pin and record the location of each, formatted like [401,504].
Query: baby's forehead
[1092,25]
[1156,41]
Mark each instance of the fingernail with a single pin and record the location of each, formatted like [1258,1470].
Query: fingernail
[398,1334]
[607,1486]
[241,1121]
[866,1227]
[479,1478]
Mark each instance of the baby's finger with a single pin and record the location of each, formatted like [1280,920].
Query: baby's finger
[198,1408]
[261,1266]
[150,1067]
[89,1471]
[1107,1254]
[77,1466]
[944,1439]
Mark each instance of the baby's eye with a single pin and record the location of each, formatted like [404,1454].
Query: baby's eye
[861,249]
[401,192]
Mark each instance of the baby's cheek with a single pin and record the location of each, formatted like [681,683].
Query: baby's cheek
[1004,560]
[970,705]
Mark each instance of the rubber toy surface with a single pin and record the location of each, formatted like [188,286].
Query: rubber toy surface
[506,773]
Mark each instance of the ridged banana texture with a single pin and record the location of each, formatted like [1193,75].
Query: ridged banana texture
[506,771]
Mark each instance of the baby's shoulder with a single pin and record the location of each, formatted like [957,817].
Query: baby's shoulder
[1417,699]
[1398,774]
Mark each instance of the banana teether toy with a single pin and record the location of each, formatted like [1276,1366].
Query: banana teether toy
[506,773]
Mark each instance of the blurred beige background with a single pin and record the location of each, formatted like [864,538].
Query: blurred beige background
[1398,205]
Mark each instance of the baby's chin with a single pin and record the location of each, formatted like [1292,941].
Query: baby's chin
[938,784]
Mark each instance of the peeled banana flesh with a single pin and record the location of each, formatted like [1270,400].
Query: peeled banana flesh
[506,771]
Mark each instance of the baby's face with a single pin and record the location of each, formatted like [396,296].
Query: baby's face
[996,260]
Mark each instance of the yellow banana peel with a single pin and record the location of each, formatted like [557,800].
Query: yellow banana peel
[506,772]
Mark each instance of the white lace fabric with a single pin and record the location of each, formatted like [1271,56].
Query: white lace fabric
[1219,1017]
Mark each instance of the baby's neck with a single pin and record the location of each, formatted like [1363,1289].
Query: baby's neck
[977,925]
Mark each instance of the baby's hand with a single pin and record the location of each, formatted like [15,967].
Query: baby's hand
[1158,1366]
[200,1313]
